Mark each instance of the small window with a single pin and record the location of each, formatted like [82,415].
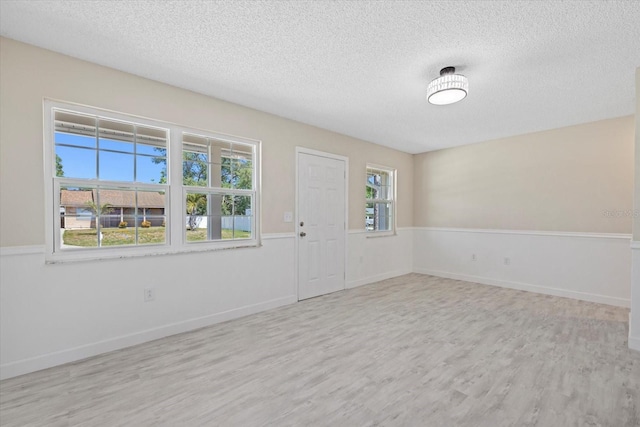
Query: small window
[380,199]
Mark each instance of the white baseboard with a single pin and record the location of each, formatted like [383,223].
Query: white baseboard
[45,361]
[602,299]
[372,279]
[634,343]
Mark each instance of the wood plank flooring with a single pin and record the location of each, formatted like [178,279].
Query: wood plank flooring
[411,351]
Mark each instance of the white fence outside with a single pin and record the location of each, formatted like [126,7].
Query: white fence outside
[242,223]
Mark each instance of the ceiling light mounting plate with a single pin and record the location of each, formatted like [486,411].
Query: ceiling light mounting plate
[447,70]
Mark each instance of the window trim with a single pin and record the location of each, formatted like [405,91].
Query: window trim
[393,174]
[175,242]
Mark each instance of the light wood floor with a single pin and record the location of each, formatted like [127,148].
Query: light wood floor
[411,351]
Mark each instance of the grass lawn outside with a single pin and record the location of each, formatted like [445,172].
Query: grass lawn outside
[146,236]
[200,234]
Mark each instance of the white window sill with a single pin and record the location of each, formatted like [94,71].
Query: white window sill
[374,234]
[98,254]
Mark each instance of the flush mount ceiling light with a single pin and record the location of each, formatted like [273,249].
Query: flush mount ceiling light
[448,88]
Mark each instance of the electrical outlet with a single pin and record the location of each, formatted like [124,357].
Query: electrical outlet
[507,261]
[473,257]
[149,294]
[288,217]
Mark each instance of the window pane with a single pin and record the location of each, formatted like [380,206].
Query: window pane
[242,205]
[242,173]
[73,238]
[151,169]
[219,149]
[114,236]
[209,162]
[378,185]
[369,217]
[151,150]
[226,208]
[220,164]
[151,140]
[77,218]
[106,206]
[75,140]
[151,204]
[76,129]
[379,195]
[235,218]
[113,145]
[113,131]
[378,216]
[195,160]
[225,173]
[193,147]
[211,217]
[151,159]
[197,222]
[242,221]
[116,166]
[151,229]
[76,162]
[194,169]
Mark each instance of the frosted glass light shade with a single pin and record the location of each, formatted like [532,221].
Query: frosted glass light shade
[447,89]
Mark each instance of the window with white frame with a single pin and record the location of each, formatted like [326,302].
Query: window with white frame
[219,189]
[380,199]
[122,185]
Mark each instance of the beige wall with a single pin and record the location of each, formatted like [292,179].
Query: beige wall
[29,74]
[558,180]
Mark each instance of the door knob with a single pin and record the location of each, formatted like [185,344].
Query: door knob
[302,234]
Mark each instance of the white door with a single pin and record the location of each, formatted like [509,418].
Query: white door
[321,224]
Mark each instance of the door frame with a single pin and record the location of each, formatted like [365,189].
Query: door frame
[303,150]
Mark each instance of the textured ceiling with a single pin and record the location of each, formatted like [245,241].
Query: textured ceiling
[362,68]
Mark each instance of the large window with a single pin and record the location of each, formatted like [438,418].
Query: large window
[122,185]
[380,205]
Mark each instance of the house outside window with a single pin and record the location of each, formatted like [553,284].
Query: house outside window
[125,186]
[380,200]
